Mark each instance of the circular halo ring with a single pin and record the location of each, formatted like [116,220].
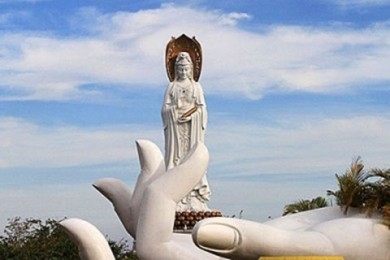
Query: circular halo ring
[183,44]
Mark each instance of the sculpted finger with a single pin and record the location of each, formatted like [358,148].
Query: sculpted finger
[180,180]
[150,158]
[236,238]
[159,203]
[91,243]
[120,195]
[152,165]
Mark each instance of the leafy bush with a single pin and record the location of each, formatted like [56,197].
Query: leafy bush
[31,239]
[304,205]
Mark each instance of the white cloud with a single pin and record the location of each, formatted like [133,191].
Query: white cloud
[294,146]
[24,144]
[353,3]
[233,18]
[60,201]
[309,146]
[128,49]
[300,58]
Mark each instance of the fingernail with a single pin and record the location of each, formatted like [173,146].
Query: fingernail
[217,237]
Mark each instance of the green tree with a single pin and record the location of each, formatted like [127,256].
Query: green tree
[304,205]
[368,191]
[36,239]
[377,196]
[30,239]
[351,186]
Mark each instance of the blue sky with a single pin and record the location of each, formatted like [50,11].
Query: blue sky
[295,90]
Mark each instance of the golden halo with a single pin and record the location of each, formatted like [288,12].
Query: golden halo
[183,44]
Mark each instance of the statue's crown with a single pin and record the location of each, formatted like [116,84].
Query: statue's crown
[183,58]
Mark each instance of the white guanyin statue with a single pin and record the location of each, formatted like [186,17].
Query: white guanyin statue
[184,118]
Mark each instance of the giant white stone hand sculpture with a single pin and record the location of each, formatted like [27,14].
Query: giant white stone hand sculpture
[148,215]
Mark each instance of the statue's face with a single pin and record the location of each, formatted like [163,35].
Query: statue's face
[183,72]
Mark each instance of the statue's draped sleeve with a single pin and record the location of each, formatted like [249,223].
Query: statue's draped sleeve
[169,119]
[199,118]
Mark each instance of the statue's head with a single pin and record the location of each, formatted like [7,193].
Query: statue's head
[183,66]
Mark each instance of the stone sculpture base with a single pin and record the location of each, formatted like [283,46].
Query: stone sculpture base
[186,220]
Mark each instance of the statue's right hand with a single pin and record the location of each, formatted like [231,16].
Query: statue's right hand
[184,119]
